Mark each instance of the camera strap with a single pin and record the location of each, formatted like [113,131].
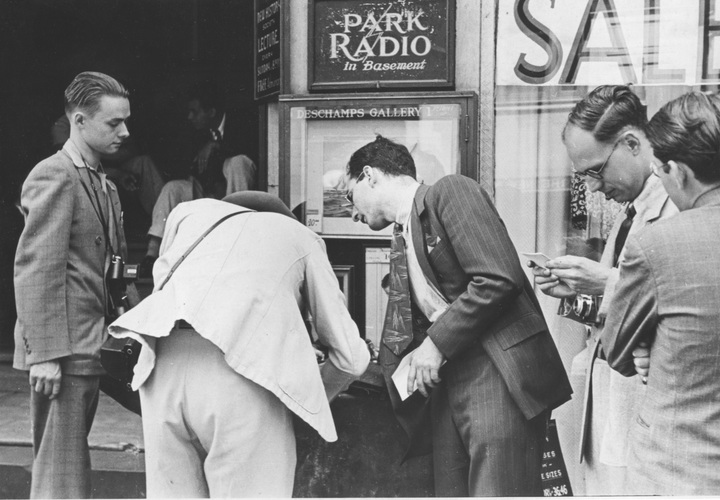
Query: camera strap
[197,242]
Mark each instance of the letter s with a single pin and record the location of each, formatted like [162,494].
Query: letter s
[546,39]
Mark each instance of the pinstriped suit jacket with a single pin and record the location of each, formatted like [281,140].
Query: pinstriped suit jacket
[60,266]
[469,257]
[668,293]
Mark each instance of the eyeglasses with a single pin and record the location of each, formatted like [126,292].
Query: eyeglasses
[349,194]
[655,169]
[596,173]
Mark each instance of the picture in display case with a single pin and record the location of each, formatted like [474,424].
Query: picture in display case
[324,134]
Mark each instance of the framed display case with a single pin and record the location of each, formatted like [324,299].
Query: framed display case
[322,132]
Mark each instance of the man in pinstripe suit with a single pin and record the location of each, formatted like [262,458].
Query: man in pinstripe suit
[73,225]
[486,370]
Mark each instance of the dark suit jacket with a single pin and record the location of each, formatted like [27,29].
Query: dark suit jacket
[465,251]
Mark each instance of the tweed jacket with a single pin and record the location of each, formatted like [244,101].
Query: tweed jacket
[467,254]
[668,294]
[60,266]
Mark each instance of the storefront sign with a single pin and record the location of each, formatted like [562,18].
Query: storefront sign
[589,42]
[268,49]
[380,44]
[391,111]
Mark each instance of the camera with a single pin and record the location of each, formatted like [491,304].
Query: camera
[118,276]
[583,308]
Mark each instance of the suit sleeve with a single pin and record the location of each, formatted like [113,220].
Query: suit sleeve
[41,260]
[632,312]
[348,353]
[483,248]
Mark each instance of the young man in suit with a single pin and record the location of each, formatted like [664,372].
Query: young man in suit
[606,142]
[220,166]
[465,315]
[73,228]
[667,295]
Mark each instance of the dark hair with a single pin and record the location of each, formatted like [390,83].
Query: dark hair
[687,130]
[208,94]
[87,88]
[388,156]
[607,111]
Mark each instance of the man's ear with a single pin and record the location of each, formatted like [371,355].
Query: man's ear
[78,118]
[370,174]
[678,172]
[633,142]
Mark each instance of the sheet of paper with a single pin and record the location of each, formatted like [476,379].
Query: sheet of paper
[538,258]
[400,377]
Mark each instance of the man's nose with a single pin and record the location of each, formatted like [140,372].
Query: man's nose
[124,132]
[355,214]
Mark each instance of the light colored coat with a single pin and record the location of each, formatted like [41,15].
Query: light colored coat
[244,288]
[668,294]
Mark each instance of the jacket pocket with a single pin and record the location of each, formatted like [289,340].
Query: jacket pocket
[520,330]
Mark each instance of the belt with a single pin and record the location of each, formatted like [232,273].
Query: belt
[183,325]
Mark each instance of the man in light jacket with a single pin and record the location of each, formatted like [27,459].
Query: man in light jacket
[227,358]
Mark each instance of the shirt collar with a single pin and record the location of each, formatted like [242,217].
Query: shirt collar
[651,200]
[221,127]
[407,196]
[711,197]
[74,153]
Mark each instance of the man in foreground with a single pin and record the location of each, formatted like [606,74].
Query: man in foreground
[667,295]
[73,228]
[465,316]
[226,356]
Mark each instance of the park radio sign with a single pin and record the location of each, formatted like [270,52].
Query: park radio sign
[588,42]
[380,44]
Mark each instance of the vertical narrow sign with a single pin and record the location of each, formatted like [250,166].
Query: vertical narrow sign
[268,48]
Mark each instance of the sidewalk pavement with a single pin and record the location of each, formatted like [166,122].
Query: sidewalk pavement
[116,443]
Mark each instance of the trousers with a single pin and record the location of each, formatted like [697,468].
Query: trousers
[482,443]
[209,431]
[60,428]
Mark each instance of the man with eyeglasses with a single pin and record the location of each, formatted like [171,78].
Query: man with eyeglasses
[606,142]
[667,295]
[462,316]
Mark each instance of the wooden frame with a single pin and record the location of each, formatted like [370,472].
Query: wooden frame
[321,132]
[398,44]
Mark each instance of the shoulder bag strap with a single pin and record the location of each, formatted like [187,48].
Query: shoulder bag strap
[197,242]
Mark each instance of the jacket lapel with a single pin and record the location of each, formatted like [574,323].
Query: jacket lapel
[418,235]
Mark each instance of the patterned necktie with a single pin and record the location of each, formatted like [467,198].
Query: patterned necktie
[623,232]
[398,330]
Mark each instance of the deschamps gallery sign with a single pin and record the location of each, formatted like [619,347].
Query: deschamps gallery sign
[381,44]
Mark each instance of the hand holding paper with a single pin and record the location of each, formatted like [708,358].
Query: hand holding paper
[419,370]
